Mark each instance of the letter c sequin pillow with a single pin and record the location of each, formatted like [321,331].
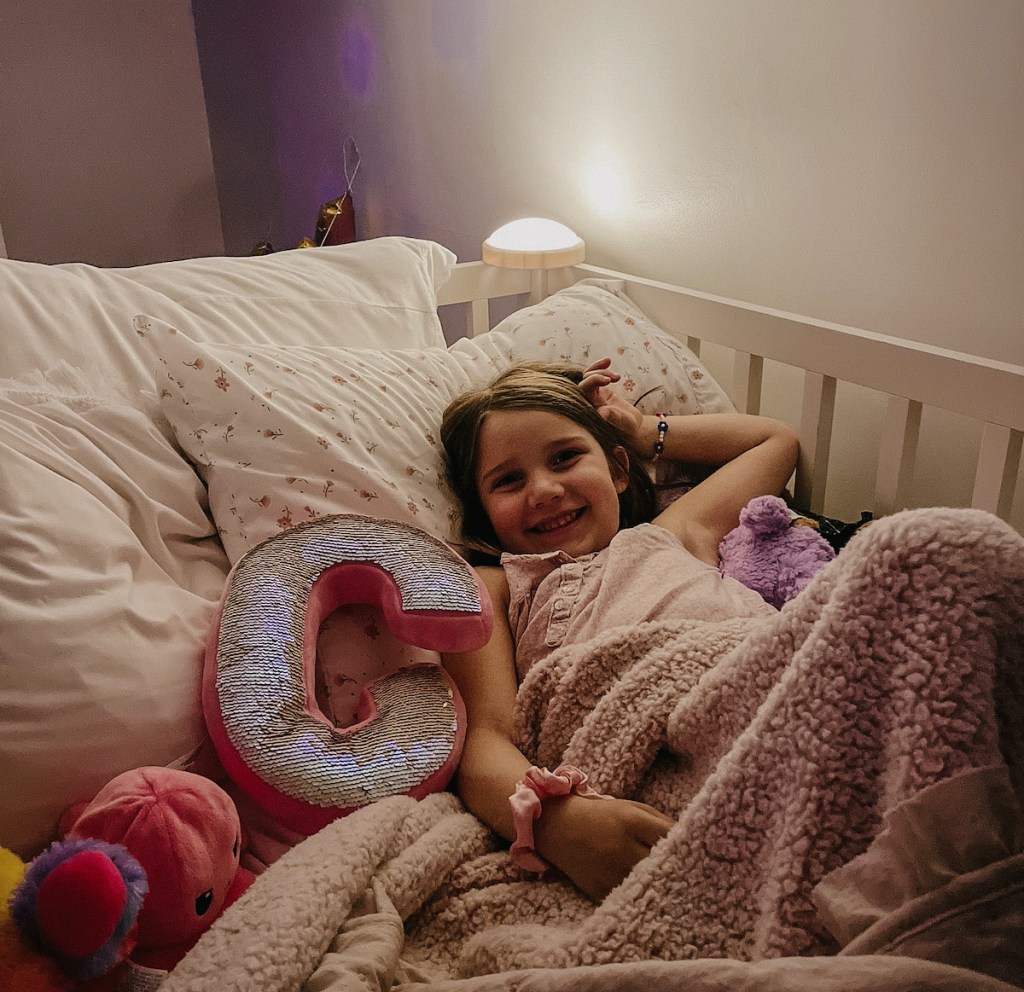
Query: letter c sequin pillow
[258,686]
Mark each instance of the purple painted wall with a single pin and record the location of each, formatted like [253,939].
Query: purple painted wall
[271,75]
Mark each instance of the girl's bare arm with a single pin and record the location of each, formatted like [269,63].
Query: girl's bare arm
[490,765]
[594,842]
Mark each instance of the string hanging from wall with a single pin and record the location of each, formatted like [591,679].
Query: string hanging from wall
[336,219]
[336,222]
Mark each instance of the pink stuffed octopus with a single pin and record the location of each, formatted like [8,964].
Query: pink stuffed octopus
[144,870]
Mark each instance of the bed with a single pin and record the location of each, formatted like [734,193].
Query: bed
[159,422]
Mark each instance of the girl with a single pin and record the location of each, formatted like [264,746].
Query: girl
[547,462]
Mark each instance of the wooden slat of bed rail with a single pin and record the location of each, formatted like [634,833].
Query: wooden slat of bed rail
[998,464]
[480,317]
[747,374]
[815,441]
[897,452]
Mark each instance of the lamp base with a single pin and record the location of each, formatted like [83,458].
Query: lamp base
[555,258]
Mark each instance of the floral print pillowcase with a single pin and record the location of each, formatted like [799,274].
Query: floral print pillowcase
[282,435]
[594,319]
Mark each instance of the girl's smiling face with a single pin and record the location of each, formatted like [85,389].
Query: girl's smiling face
[546,484]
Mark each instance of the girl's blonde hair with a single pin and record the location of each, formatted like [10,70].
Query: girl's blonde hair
[550,387]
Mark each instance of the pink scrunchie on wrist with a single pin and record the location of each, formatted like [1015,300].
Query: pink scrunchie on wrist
[536,786]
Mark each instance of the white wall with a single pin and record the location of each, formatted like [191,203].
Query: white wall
[858,161]
[104,146]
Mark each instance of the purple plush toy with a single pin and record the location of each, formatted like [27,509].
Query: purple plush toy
[773,551]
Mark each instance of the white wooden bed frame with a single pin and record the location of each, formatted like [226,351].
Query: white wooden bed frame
[913,375]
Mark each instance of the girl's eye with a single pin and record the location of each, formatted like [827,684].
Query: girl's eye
[567,455]
[504,481]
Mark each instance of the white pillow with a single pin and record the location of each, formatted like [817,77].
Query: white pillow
[109,564]
[109,573]
[376,294]
[282,435]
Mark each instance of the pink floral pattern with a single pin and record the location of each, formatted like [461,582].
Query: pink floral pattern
[283,435]
[594,320]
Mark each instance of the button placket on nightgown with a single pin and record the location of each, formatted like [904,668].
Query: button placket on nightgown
[563,605]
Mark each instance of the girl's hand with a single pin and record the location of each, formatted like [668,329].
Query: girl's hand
[597,387]
[596,842]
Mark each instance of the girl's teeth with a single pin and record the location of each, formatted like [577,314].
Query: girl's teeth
[560,522]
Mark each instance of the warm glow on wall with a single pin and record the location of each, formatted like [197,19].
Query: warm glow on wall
[603,187]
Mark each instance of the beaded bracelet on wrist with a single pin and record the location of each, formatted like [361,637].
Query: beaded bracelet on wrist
[659,444]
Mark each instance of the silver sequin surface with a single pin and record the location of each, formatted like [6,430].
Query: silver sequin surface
[266,697]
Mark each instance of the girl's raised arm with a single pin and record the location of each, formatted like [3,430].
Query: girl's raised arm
[752,456]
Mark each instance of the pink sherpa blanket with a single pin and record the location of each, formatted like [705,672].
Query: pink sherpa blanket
[806,756]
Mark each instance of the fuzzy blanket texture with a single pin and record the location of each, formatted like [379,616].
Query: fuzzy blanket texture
[789,748]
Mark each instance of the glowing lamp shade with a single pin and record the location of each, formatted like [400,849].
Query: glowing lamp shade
[533,243]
